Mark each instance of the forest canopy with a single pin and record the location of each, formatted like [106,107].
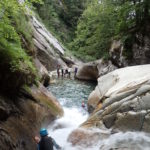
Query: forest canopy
[61,16]
[105,20]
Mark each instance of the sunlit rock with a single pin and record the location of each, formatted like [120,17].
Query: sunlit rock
[48,49]
[119,81]
[121,100]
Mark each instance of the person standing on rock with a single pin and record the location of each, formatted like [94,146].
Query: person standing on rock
[75,71]
[66,72]
[69,72]
[58,69]
[46,142]
[62,72]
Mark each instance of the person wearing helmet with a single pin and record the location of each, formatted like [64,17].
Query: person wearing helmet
[46,142]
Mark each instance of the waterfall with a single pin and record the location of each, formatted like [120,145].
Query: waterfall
[62,127]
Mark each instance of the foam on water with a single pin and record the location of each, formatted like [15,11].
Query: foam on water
[70,97]
[128,140]
[62,127]
[73,117]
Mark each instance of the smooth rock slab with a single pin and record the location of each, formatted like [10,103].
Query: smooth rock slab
[119,81]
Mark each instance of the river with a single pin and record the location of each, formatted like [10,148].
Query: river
[70,94]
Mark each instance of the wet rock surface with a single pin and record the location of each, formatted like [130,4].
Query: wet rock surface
[21,117]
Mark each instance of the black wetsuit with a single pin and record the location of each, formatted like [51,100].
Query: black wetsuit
[46,143]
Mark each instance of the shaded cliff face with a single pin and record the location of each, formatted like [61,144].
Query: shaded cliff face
[21,117]
[135,50]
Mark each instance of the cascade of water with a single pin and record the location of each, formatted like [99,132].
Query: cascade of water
[62,127]
[71,96]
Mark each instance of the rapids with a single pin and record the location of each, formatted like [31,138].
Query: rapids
[70,94]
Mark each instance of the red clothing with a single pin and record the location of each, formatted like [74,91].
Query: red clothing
[83,105]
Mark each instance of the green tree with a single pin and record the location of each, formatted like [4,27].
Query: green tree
[61,16]
[15,65]
[105,20]
[94,31]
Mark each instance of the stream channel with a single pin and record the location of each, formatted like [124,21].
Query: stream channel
[70,93]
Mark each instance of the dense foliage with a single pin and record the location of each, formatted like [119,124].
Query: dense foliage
[61,16]
[96,23]
[105,20]
[15,65]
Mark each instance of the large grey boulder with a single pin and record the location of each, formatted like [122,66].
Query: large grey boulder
[118,82]
[121,101]
[92,70]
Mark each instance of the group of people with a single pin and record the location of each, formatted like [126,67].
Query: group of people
[46,142]
[65,72]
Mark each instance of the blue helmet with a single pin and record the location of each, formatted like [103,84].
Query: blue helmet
[43,132]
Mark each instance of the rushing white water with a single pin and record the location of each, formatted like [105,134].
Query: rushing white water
[70,97]
[126,141]
[62,127]
[70,94]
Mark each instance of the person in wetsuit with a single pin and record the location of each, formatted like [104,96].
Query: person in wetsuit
[46,142]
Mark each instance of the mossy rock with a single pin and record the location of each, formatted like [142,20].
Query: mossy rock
[43,96]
